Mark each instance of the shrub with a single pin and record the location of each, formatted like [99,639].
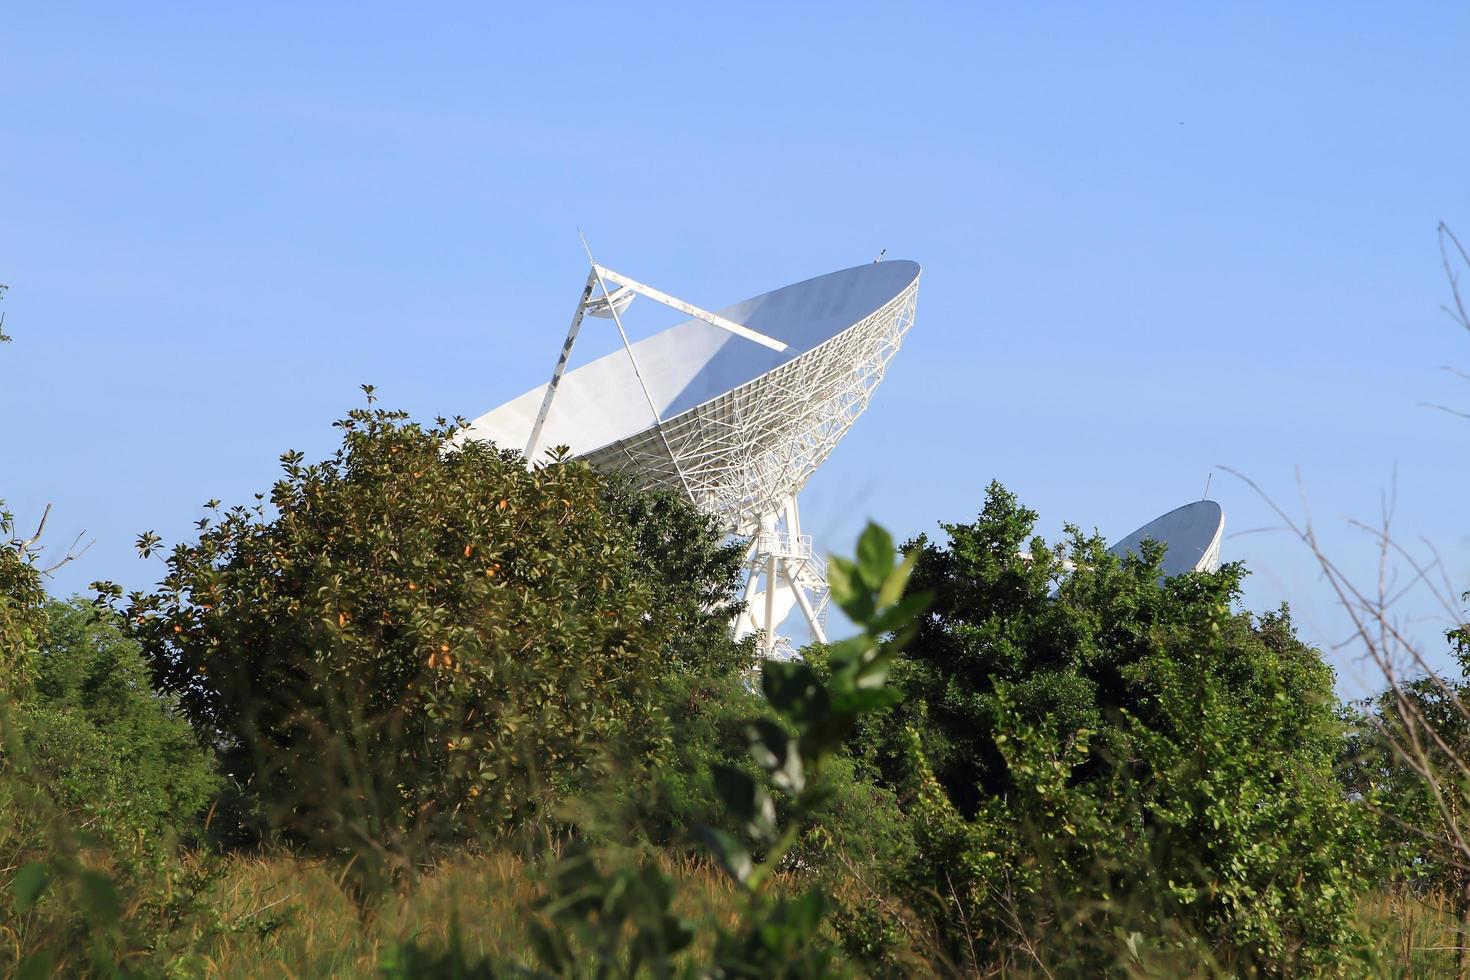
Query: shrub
[421,641]
[92,766]
[622,921]
[1106,769]
[22,614]
[1406,761]
[117,757]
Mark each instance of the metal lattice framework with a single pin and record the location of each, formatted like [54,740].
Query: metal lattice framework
[741,455]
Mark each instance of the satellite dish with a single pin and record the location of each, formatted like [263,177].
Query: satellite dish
[617,300]
[735,410]
[1191,534]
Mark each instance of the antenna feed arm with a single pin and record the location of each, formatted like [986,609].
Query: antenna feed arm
[689,309]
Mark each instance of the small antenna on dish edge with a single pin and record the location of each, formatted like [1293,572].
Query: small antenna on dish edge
[880,256]
[1208,478]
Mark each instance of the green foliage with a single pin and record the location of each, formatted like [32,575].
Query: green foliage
[612,924]
[22,613]
[622,923]
[92,767]
[1406,762]
[115,755]
[1065,765]
[700,675]
[816,713]
[1414,843]
[71,905]
[695,571]
[776,935]
[1106,769]
[424,641]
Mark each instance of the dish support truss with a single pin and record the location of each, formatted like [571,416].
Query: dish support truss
[742,458]
[782,572]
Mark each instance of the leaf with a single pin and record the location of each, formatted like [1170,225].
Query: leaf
[867,700]
[737,790]
[898,579]
[678,933]
[101,894]
[774,751]
[847,590]
[806,912]
[875,556]
[549,947]
[37,966]
[30,881]
[733,856]
[768,743]
[794,690]
[846,654]
[901,614]
[747,801]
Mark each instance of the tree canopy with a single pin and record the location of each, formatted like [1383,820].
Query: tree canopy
[419,639]
[1083,743]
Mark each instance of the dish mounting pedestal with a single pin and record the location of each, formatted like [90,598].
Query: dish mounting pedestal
[782,572]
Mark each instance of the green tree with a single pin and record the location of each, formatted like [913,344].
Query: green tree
[1105,769]
[1406,760]
[421,640]
[702,677]
[22,613]
[622,922]
[115,754]
[90,761]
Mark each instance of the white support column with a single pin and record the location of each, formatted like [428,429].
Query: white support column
[780,560]
[769,640]
[818,633]
[560,369]
[658,422]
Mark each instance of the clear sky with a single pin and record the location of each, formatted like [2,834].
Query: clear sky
[1155,240]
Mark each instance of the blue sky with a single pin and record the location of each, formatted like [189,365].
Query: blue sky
[1155,240]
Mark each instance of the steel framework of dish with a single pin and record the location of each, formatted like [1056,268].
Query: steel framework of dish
[734,409]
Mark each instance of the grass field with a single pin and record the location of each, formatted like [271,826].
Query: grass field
[286,917]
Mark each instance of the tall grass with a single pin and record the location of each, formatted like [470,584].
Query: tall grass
[1415,935]
[284,916]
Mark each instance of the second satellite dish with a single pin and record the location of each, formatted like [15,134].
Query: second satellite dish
[1191,535]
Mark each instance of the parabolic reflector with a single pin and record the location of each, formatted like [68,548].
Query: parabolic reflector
[740,427]
[1190,533]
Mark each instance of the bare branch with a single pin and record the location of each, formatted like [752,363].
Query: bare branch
[30,548]
[1448,243]
[1415,740]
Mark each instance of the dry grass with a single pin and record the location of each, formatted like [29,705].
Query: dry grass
[289,918]
[1415,936]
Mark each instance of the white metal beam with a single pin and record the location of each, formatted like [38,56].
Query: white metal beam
[658,422]
[818,634]
[688,309]
[560,369]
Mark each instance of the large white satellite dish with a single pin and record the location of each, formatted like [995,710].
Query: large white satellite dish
[735,409]
[1191,535]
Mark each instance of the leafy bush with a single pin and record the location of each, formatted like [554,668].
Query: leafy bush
[1106,769]
[701,675]
[1406,761]
[22,614]
[92,767]
[116,756]
[621,922]
[424,641]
